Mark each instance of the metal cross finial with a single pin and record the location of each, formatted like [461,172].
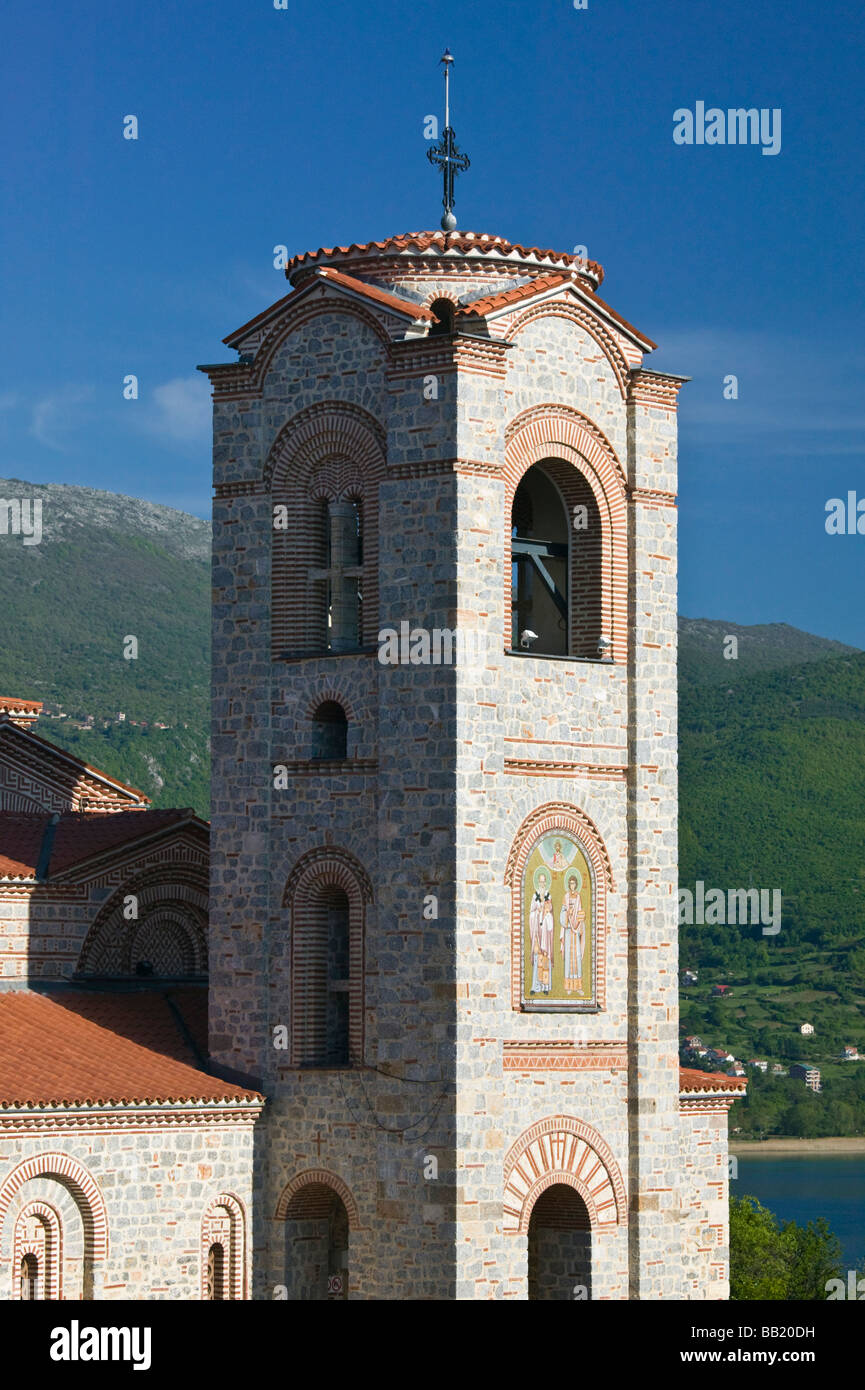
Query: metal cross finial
[446,155]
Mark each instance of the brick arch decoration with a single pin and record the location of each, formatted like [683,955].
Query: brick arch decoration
[335,691]
[563,1149]
[293,1194]
[224,1223]
[435,293]
[316,871]
[611,349]
[570,820]
[332,451]
[79,1183]
[307,313]
[587,471]
[182,896]
[49,1252]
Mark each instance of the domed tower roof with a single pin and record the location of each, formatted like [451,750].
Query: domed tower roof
[420,255]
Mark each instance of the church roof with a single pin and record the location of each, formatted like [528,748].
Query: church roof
[544,284]
[480,246]
[692,1080]
[390,301]
[62,770]
[28,849]
[406,308]
[538,272]
[20,711]
[506,299]
[77,1047]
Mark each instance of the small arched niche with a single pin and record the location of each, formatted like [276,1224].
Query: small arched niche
[444,312]
[329,732]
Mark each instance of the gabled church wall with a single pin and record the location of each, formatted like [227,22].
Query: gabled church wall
[553,360]
[147,1182]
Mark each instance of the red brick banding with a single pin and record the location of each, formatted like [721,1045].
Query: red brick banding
[83,1189]
[330,452]
[213,1232]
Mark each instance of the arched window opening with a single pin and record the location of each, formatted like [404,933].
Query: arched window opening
[443,310]
[30,1278]
[223,1251]
[336,579]
[560,1247]
[325,997]
[327,894]
[216,1290]
[539,567]
[329,731]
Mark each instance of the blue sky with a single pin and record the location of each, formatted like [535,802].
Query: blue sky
[303,126]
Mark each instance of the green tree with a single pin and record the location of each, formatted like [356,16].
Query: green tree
[758,1252]
[817,1259]
[778,1262]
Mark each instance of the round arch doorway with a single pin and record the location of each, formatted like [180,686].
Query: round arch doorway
[316,1244]
[559,1247]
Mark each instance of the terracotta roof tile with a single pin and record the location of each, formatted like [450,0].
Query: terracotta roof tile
[480,244]
[78,836]
[491,302]
[691,1079]
[406,307]
[21,839]
[79,1048]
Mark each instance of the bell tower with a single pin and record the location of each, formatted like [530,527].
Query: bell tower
[444,843]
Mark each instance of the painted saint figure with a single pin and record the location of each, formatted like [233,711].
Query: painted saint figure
[558,862]
[572,937]
[541,931]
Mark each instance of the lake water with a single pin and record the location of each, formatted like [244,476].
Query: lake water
[801,1187]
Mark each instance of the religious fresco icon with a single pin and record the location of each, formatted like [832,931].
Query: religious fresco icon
[558,927]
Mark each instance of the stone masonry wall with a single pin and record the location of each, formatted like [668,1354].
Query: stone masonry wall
[156,1181]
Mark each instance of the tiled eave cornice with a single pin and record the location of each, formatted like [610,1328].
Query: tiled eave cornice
[648,387]
[420,251]
[74,1119]
[250,1104]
